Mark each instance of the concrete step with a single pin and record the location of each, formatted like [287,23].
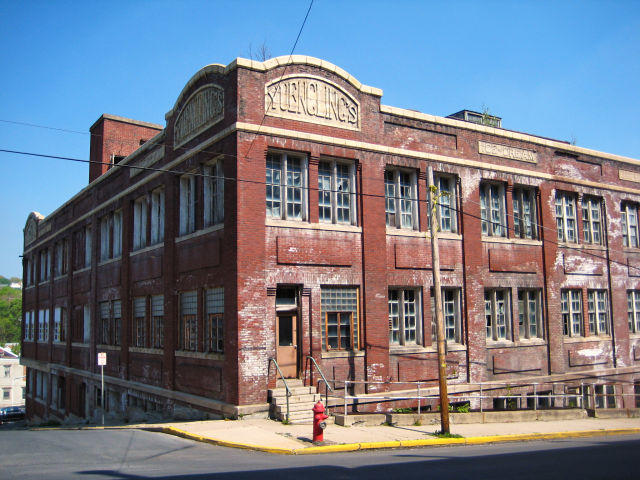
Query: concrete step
[297,417]
[291,382]
[295,407]
[309,397]
[281,392]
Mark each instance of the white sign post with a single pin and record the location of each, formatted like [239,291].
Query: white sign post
[102,361]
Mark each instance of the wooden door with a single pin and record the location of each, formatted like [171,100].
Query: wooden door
[287,344]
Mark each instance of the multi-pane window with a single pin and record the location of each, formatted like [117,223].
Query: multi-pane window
[592,220]
[446,203]
[187,204]
[336,192]
[214,193]
[43,326]
[157,216]
[82,243]
[492,209]
[189,321]
[566,217]
[139,321]
[401,198]
[28,325]
[633,310]
[286,179]
[571,307]
[529,313]
[404,317]
[214,320]
[140,223]
[157,321]
[598,312]
[497,314]
[340,318]
[109,332]
[451,315]
[524,213]
[60,321]
[61,262]
[28,276]
[630,225]
[45,265]
[111,235]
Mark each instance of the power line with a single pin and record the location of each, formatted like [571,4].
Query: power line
[317,189]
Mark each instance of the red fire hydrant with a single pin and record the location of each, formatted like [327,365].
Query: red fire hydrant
[319,423]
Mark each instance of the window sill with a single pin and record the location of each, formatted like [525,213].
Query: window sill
[343,354]
[302,224]
[146,249]
[59,343]
[590,338]
[113,348]
[82,270]
[413,349]
[80,344]
[514,241]
[198,233]
[631,249]
[107,261]
[581,246]
[201,355]
[500,344]
[29,287]
[530,342]
[59,277]
[150,351]
[405,232]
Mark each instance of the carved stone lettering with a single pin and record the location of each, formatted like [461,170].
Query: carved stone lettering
[204,108]
[312,99]
[506,151]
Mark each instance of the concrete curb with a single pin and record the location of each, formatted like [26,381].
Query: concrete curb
[351,447]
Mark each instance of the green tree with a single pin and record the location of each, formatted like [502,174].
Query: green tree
[10,315]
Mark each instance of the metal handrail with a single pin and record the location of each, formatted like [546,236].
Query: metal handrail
[283,381]
[326,383]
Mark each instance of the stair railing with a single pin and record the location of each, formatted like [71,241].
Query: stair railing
[283,381]
[327,387]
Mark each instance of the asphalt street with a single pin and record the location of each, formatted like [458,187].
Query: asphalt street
[138,454]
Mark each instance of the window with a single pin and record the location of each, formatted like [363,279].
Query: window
[566,217]
[61,257]
[571,306]
[157,321]
[43,326]
[110,323]
[404,317]
[140,223]
[86,328]
[524,213]
[28,272]
[605,396]
[105,237]
[60,324]
[7,370]
[446,210]
[336,192]
[45,265]
[451,315]
[111,236]
[187,204]
[497,314]
[591,220]
[492,210]
[286,200]
[139,321]
[529,313]
[82,255]
[340,318]
[598,312]
[630,225]
[117,234]
[188,321]
[28,326]
[214,320]
[401,198]
[633,310]
[214,193]
[6,394]
[157,216]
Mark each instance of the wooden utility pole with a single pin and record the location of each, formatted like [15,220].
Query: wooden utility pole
[437,295]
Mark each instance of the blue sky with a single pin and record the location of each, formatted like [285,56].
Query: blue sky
[562,69]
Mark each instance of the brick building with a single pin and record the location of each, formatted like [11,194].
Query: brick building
[281,213]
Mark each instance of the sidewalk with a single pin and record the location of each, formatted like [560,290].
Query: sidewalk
[274,437]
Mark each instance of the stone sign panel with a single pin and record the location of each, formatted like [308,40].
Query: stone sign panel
[505,151]
[203,109]
[312,99]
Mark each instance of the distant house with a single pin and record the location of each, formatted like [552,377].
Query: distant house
[12,379]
